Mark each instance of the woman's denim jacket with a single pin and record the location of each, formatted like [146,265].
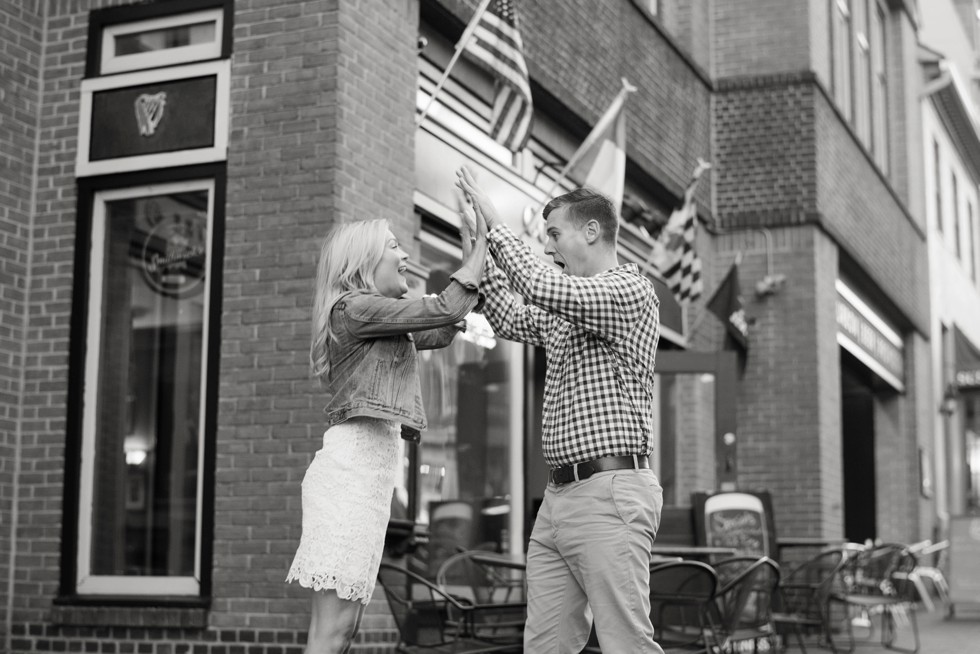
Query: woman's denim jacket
[374,368]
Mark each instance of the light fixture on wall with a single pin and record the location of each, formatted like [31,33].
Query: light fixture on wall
[948,406]
[772,283]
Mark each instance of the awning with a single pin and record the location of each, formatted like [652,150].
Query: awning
[967,361]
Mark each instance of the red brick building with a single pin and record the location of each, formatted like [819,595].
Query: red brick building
[171,166]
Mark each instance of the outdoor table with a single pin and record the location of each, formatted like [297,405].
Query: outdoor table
[698,552]
[515,561]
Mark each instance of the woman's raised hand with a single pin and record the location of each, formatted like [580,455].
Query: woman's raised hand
[468,225]
[485,212]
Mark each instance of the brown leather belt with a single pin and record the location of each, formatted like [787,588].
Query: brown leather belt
[580,471]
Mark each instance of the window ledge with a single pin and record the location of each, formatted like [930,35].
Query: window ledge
[113,613]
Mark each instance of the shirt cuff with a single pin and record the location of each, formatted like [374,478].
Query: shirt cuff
[467,278]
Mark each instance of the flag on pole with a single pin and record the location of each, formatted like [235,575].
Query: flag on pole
[726,303]
[496,43]
[600,162]
[673,252]
[675,256]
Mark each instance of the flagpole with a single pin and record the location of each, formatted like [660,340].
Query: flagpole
[460,45]
[593,135]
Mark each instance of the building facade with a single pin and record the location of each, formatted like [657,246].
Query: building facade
[950,147]
[171,167]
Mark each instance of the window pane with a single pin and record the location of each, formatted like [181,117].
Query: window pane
[465,471]
[164,39]
[148,415]
[685,425]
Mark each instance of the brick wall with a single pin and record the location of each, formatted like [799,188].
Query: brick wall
[579,51]
[20,51]
[788,419]
[868,220]
[322,132]
[759,37]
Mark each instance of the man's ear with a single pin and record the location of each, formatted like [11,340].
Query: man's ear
[592,231]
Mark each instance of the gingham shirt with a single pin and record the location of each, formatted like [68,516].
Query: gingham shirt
[600,335]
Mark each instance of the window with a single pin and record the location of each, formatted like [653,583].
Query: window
[862,73]
[144,393]
[938,182]
[956,218]
[842,57]
[971,235]
[469,486]
[163,41]
[879,88]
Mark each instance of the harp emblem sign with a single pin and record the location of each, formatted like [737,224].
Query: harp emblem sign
[149,112]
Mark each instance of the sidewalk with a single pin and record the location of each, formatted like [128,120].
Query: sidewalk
[938,635]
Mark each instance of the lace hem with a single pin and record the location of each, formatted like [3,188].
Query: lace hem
[356,592]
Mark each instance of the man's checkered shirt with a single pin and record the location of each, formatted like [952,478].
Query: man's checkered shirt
[600,335]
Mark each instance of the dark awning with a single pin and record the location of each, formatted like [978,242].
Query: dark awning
[967,361]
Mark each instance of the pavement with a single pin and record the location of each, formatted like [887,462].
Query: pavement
[938,634]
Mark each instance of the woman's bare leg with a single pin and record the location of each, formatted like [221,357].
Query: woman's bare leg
[333,623]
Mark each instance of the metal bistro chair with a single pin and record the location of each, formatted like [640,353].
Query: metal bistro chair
[879,580]
[804,592]
[741,610]
[680,595]
[480,577]
[431,620]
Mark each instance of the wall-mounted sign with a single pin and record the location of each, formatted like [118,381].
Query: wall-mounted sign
[174,255]
[131,121]
[967,361]
[863,333]
[154,118]
[149,111]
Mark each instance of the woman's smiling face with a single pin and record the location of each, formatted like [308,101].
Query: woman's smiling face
[389,274]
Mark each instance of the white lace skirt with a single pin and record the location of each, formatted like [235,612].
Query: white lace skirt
[346,506]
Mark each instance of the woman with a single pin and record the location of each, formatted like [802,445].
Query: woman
[365,337]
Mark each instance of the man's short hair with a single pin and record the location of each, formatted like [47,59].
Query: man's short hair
[583,205]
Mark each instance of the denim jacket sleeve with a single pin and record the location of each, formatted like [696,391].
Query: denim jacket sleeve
[372,315]
[433,339]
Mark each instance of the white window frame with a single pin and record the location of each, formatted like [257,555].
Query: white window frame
[113,63]
[877,21]
[843,59]
[87,583]
[217,152]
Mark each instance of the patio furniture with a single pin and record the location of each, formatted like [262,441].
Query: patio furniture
[876,582]
[741,610]
[680,594]
[803,595]
[487,578]
[431,620]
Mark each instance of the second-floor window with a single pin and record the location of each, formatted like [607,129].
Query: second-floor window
[842,56]
[956,218]
[938,177]
[858,34]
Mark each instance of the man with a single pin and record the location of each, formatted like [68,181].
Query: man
[599,324]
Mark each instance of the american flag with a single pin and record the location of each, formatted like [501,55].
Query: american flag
[497,44]
[681,266]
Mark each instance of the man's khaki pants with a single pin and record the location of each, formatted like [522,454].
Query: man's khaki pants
[590,548]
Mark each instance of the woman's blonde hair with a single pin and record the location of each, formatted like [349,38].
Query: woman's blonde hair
[348,257]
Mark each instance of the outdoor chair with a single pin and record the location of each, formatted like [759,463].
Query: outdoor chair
[680,594]
[431,620]
[879,581]
[481,577]
[741,610]
[935,573]
[802,600]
